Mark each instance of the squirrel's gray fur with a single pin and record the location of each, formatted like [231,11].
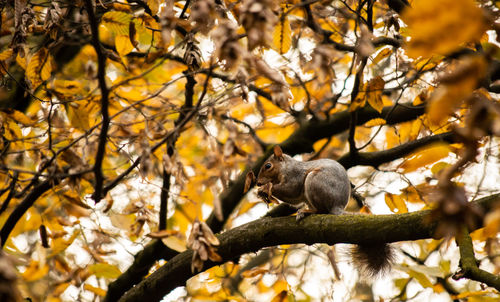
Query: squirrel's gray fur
[323,185]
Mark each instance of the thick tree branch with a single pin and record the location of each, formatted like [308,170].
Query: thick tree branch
[21,209]
[468,263]
[12,191]
[143,261]
[264,232]
[101,78]
[377,158]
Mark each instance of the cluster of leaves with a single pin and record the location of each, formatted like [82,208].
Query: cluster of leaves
[127,128]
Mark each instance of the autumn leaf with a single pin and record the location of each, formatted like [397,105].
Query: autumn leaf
[442,26]
[375,122]
[425,156]
[117,22]
[96,290]
[78,117]
[455,87]
[123,45]
[104,270]
[35,271]
[39,67]
[374,90]
[395,203]
[282,36]
[6,54]
[382,54]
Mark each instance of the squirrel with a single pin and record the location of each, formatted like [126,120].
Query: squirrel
[323,185]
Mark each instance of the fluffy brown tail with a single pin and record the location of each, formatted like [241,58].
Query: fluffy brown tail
[373,260]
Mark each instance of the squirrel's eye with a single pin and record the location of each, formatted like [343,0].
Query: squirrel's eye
[267,166]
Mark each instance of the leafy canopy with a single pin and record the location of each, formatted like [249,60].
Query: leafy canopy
[127,128]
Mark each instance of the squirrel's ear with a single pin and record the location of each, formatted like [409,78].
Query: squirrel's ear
[278,153]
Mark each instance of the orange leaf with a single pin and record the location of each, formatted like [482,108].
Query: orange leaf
[395,203]
[425,156]
[374,90]
[123,45]
[96,290]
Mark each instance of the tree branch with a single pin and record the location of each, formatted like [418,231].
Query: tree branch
[21,209]
[375,159]
[143,261]
[468,262]
[101,77]
[264,232]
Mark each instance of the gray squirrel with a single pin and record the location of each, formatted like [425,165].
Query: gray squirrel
[323,185]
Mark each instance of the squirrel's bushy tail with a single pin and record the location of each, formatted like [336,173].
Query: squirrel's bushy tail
[372,260]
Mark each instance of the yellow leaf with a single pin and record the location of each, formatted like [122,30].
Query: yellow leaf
[391,138]
[395,203]
[425,156]
[60,244]
[96,290]
[281,296]
[282,36]
[154,5]
[409,131]
[60,289]
[117,22]
[35,272]
[374,90]
[359,102]
[421,278]
[4,55]
[468,294]
[68,88]
[455,87]
[104,270]
[39,68]
[123,45]
[280,285]
[438,167]
[175,243]
[77,115]
[122,221]
[19,117]
[384,53]
[442,26]
[21,61]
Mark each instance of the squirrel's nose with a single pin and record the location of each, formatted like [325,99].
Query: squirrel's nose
[259,184]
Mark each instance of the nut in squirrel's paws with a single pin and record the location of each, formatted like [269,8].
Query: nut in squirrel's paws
[265,194]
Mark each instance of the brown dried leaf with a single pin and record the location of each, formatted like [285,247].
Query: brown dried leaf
[249,180]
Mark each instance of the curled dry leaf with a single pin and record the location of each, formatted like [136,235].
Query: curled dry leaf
[162,234]
[202,241]
[258,19]
[203,14]
[249,180]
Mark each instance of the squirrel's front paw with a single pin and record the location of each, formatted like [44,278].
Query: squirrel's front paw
[265,193]
[303,213]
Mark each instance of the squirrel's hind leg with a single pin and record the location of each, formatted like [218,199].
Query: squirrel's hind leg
[325,192]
